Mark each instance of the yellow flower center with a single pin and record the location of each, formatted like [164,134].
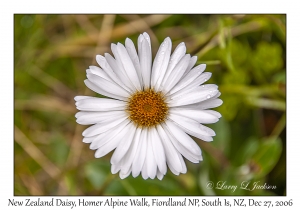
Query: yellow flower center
[147,108]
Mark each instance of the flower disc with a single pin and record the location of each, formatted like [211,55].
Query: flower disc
[147,108]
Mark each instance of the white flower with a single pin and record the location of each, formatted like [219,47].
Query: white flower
[151,109]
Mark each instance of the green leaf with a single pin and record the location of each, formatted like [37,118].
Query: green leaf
[266,157]
[223,137]
[268,57]
[97,172]
[60,147]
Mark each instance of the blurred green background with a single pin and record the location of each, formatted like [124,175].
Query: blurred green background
[245,53]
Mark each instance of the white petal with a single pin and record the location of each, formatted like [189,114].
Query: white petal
[159,175]
[112,144]
[115,168]
[78,98]
[99,90]
[176,74]
[140,155]
[193,126]
[145,60]
[119,71]
[186,88]
[111,72]
[201,116]
[158,151]
[171,153]
[190,77]
[100,104]
[177,55]
[102,127]
[134,58]
[173,170]
[208,104]
[150,161]
[160,63]
[106,136]
[108,86]
[183,138]
[197,95]
[144,170]
[133,150]
[99,72]
[87,118]
[128,66]
[120,67]
[89,139]
[192,62]
[196,130]
[124,145]
[217,114]
[147,37]
[194,158]
[124,175]
[216,96]
[183,166]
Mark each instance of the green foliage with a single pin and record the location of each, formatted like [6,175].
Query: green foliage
[245,53]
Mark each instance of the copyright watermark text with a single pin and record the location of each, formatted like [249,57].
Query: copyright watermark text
[245,185]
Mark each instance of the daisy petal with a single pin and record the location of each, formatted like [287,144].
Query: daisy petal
[128,159]
[89,139]
[150,163]
[99,72]
[176,74]
[195,96]
[115,168]
[177,55]
[111,72]
[108,86]
[171,153]
[190,77]
[106,136]
[139,158]
[217,114]
[194,158]
[183,166]
[193,128]
[128,66]
[158,151]
[160,63]
[78,98]
[144,170]
[200,116]
[134,58]
[116,67]
[118,64]
[87,118]
[145,60]
[147,37]
[192,62]
[124,145]
[100,104]
[102,127]
[124,175]
[208,104]
[159,175]
[99,90]
[183,138]
[188,87]
[112,144]
[173,170]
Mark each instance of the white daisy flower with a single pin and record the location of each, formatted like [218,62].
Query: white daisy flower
[151,109]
